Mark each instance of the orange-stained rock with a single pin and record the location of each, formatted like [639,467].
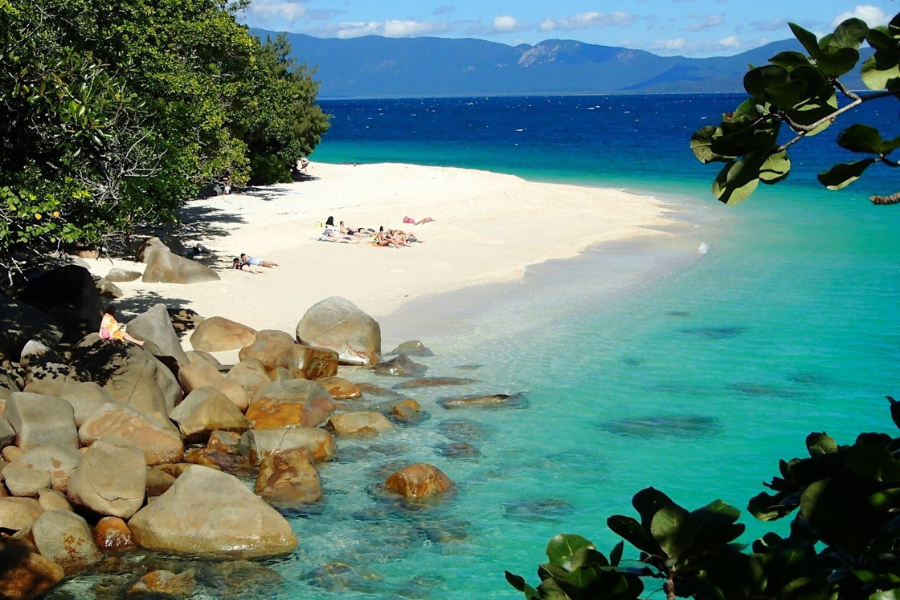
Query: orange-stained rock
[11,453]
[217,334]
[66,539]
[258,444]
[418,481]
[224,441]
[341,389]
[406,410]
[268,348]
[111,533]
[309,362]
[29,578]
[293,402]
[166,583]
[359,422]
[159,443]
[288,478]
[215,459]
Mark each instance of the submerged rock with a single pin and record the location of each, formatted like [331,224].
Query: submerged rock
[358,423]
[537,510]
[716,333]
[418,481]
[463,431]
[434,382]
[374,390]
[485,402]
[288,478]
[458,450]
[412,348]
[664,426]
[401,366]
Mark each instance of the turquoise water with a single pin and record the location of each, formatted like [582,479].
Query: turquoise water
[642,364]
[787,325]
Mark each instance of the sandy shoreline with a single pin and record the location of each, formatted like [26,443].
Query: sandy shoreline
[488,228]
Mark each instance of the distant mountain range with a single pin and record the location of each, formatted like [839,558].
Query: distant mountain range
[379,67]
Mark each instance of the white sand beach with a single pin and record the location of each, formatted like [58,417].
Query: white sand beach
[488,228]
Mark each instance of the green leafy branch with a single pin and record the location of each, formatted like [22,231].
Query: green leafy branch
[801,91]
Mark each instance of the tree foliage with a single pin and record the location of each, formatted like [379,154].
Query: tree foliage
[112,114]
[801,94]
[844,539]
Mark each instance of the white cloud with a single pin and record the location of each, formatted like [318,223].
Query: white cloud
[276,13]
[705,22]
[872,15]
[588,19]
[506,24]
[727,45]
[389,28]
[732,41]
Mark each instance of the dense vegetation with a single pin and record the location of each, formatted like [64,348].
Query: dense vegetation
[804,93]
[113,113]
[844,538]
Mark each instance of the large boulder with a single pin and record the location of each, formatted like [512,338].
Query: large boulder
[204,374]
[268,347]
[291,402]
[250,374]
[288,478]
[46,367]
[111,478]
[209,513]
[148,247]
[363,422]
[29,578]
[39,420]
[57,461]
[20,323]
[136,387]
[159,444]
[119,369]
[118,275]
[7,433]
[217,334]
[165,267]
[25,482]
[341,389]
[257,444]
[67,294]
[418,481]
[206,410]
[17,514]
[85,398]
[156,326]
[66,539]
[339,324]
[53,500]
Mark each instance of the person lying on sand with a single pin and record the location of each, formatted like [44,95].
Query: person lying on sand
[331,235]
[412,221]
[246,267]
[364,231]
[257,262]
[111,330]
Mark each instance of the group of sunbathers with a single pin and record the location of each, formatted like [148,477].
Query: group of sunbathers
[249,264]
[394,238]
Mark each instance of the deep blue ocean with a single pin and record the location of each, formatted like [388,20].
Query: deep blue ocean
[662,365]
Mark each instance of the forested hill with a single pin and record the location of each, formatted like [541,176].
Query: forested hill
[411,67]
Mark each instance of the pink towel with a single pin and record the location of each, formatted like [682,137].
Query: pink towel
[409,220]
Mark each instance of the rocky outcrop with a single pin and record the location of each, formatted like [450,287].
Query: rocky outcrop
[20,323]
[340,325]
[358,423]
[165,267]
[412,348]
[257,444]
[250,373]
[292,402]
[24,481]
[309,362]
[111,478]
[418,481]
[65,538]
[217,334]
[341,389]
[165,584]
[209,513]
[39,420]
[69,296]
[268,348]
[56,461]
[206,410]
[288,478]
[203,374]
[148,247]
[159,444]
[156,326]
[118,275]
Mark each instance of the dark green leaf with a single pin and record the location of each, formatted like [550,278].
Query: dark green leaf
[786,95]
[843,174]
[700,145]
[879,39]
[820,443]
[673,529]
[806,38]
[881,69]
[837,62]
[615,557]
[647,503]
[632,532]
[563,546]
[767,507]
[757,80]
[860,138]
[775,168]
[737,180]
[849,34]
[519,583]
[790,60]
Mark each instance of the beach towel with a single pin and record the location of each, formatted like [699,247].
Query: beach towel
[409,220]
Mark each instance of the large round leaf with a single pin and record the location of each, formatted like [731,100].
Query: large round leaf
[775,168]
[736,181]
[632,532]
[673,529]
[562,547]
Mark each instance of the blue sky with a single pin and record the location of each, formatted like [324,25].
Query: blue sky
[667,27]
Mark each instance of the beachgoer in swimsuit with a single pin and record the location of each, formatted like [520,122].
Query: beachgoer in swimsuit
[111,330]
[240,265]
[383,239]
[257,262]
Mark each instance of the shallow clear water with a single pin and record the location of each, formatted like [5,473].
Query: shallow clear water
[642,364]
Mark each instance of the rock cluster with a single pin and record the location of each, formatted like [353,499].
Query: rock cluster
[109,446]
